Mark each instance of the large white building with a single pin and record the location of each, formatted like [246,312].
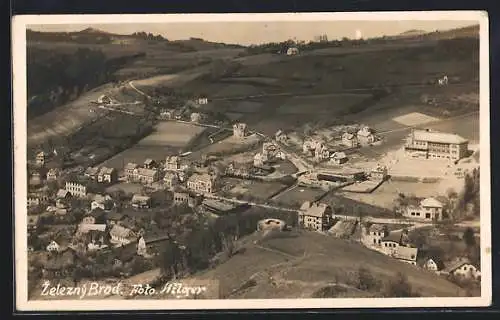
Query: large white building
[430,144]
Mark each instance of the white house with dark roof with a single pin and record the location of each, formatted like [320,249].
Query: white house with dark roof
[315,216]
[373,235]
[92,173]
[429,144]
[40,158]
[240,130]
[434,264]
[202,183]
[121,235]
[429,209]
[338,158]
[140,201]
[52,174]
[107,175]
[463,268]
[349,140]
[76,189]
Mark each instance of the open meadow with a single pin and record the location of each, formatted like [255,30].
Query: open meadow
[168,138]
[296,264]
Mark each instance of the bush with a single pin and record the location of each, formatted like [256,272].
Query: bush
[400,288]
[366,281]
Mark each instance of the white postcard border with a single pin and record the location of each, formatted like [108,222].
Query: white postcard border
[20,161]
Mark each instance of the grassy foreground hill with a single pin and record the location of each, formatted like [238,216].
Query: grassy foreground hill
[301,264]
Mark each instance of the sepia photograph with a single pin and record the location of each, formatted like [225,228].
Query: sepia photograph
[256,161]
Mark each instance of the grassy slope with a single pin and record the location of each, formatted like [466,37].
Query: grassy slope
[305,262]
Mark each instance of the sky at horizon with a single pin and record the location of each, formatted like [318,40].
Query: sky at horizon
[257,32]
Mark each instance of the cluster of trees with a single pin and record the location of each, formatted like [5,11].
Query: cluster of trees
[468,200]
[55,77]
[148,36]
[76,37]
[398,287]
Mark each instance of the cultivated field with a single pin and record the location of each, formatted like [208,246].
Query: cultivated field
[231,145]
[320,104]
[385,195]
[253,189]
[168,139]
[299,195]
[170,133]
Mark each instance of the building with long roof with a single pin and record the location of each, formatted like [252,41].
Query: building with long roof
[429,144]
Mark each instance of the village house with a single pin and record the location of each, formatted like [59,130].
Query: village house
[33,222]
[374,234]
[151,243]
[172,163]
[406,254]
[140,201]
[280,137]
[428,144]
[259,159]
[202,183]
[104,204]
[315,216]
[114,217]
[129,170]
[463,269]
[97,216]
[76,189]
[238,170]
[392,241]
[107,175]
[84,228]
[121,235]
[52,174]
[171,180]
[434,264]
[33,201]
[150,164]
[53,247]
[202,101]
[196,117]
[321,152]
[292,51]
[378,173]
[40,158]
[239,130]
[365,136]
[104,99]
[91,173]
[144,176]
[181,198]
[63,194]
[349,140]
[429,209]
[338,158]
[36,178]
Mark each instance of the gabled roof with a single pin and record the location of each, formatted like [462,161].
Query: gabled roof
[454,265]
[131,166]
[92,171]
[317,210]
[377,228]
[205,177]
[406,253]
[348,136]
[61,193]
[438,137]
[431,202]
[114,215]
[395,236]
[149,161]
[305,206]
[338,155]
[437,260]
[140,198]
[106,170]
[121,232]
[147,172]
[86,227]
